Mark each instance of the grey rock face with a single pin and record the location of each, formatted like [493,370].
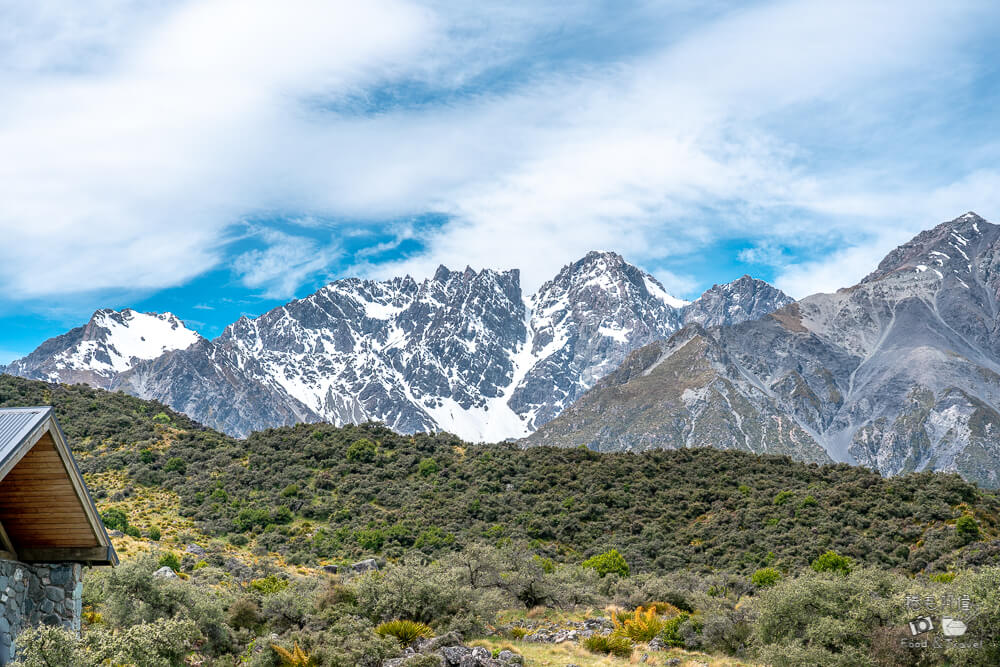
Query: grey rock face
[739,301]
[900,372]
[463,351]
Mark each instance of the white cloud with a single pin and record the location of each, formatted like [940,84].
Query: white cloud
[130,148]
[132,175]
[637,156]
[284,264]
[841,269]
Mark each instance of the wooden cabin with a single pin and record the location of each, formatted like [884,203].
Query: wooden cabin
[49,526]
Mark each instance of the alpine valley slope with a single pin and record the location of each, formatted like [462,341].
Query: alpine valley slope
[463,351]
[900,372]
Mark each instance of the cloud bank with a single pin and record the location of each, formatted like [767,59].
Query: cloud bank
[137,138]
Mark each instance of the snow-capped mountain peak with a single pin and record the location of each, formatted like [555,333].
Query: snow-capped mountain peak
[109,344]
[134,335]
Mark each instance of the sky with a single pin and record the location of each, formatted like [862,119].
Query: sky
[216,158]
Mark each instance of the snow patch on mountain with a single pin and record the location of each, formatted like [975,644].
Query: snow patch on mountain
[134,335]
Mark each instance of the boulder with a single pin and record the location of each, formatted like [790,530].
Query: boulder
[415,659]
[510,658]
[453,655]
[330,569]
[365,565]
[165,573]
[657,644]
[195,549]
[434,643]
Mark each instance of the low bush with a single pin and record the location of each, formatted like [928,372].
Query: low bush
[405,631]
[831,561]
[639,626]
[670,632]
[609,562]
[765,577]
[967,529]
[171,560]
[609,645]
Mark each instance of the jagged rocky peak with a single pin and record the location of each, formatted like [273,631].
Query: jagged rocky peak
[946,248]
[743,299]
[608,271]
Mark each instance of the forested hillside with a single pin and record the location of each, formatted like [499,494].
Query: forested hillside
[316,493]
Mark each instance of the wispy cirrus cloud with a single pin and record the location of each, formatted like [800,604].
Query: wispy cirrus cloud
[278,269]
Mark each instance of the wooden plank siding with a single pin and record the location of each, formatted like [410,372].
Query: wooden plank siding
[38,504]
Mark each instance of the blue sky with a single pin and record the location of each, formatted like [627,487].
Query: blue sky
[216,158]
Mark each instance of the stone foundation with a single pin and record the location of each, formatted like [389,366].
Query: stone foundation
[36,594]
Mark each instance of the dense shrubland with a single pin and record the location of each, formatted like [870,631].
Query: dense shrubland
[762,558]
[831,617]
[320,493]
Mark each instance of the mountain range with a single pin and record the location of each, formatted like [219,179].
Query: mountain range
[900,372]
[463,351]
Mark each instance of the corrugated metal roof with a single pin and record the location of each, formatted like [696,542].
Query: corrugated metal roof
[16,424]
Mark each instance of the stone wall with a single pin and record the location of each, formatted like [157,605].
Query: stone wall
[35,594]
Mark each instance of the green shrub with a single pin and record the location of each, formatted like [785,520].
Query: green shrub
[370,539]
[821,620]
[171,560]
[155,534]
[46,646]
[362,450]
[439,593]
[831,561]
[162,418]
[671,635]
[433,538]
[427,467]
[808,501]
[782,497]
[405,631]
[967,529]
[765,577]
[607,563]
[115,519]
[943,577]
[133,531]
[244,613]
[176,464]
[269,585]
[146,455]
[609,645]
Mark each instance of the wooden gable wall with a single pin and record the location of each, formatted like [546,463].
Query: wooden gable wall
[39,507]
